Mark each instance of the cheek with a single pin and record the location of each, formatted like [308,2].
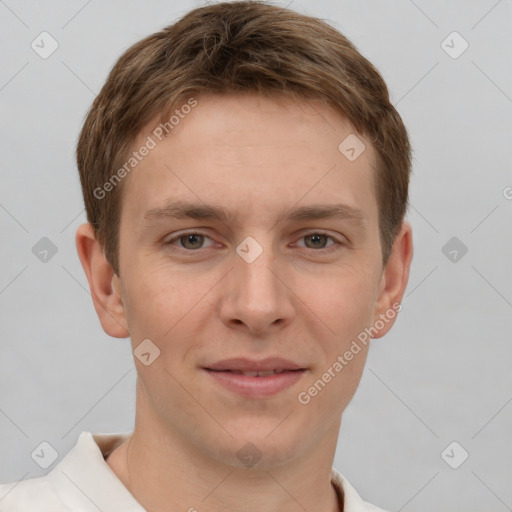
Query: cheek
[346,305]
[171,309]
[342,303]
[329,390]
[152,306]
[344,385]
[158,290]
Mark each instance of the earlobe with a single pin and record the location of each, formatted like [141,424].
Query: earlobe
[103,283]
[394,280]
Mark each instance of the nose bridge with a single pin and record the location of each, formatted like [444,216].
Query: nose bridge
[256,296]
[257,282]
[255,279]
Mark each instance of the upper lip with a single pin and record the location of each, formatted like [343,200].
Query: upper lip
[250,365]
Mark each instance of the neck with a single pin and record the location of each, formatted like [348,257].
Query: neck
[165,473]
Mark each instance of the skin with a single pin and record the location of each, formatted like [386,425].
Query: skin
[303,298]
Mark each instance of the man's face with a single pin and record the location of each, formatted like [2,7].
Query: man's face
[276,284]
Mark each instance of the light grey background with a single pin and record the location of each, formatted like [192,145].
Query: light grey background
[441,375]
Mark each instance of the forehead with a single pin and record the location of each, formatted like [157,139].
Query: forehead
[240,150]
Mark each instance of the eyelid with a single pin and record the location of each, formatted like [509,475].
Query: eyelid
[313,231]
[310,231]
[338,240]
[176,236]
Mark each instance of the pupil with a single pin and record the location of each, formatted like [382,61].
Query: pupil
[192,241]
[317,240]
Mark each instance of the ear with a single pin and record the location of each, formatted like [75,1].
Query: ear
[394,281]
[103,282]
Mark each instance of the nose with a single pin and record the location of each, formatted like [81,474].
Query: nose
[256,297]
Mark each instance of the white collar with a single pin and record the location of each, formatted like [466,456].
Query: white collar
[83,480]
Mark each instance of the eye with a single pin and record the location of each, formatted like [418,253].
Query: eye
[190,241]
[318,241]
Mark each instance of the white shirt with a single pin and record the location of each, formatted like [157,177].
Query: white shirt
[83,481]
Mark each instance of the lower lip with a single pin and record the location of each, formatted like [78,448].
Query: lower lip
[257,387]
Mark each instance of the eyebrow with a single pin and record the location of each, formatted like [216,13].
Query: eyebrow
[183,210]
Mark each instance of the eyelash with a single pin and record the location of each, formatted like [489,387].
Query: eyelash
[335,245]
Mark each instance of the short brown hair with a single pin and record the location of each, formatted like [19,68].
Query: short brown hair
[240,46]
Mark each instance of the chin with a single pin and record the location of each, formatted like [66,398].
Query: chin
[258,450]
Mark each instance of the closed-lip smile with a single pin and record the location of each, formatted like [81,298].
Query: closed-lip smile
[256,378]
